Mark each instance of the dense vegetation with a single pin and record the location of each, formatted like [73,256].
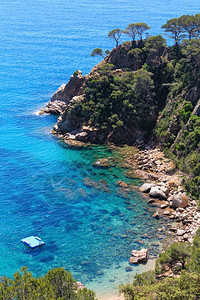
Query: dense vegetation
[154,89]
[155,80]
[183,261]
[178,128]
[111,99]
[57,284]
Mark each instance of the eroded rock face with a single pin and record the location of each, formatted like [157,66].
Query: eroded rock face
[65,93]
[193,95]
[55,108]
[138,256]
[68,124]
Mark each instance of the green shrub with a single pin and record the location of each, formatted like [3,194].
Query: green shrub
[56,284]
[76,72]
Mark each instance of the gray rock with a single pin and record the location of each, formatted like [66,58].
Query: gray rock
[55,107]
[146,187]
[193,95]
[166,213]
[163,188]
[180,232]
[80,286]
[67,91]
[156,192]
[186,237]
[164,205]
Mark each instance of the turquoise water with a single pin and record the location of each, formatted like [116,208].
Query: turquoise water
[88,223]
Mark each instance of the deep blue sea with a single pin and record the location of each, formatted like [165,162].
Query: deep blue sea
[88,224]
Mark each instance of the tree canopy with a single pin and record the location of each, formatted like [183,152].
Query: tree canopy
[56,284]
[134,29]
[174,29]
[187,26]
[131,31]
[99,52]
[115,34]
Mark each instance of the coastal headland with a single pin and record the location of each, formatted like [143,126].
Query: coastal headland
[139,101]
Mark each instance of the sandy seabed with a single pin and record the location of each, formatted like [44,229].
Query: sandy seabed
[105,294]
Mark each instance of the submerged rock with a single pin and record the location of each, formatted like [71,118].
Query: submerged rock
[128,269]
[122,184]
[74,143]
[102,163]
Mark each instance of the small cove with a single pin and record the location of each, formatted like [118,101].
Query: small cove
[89,223]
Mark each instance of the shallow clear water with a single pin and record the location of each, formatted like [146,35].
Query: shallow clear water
[89,224]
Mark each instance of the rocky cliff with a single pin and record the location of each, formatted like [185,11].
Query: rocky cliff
[128,57]
[65,93]
[142,92]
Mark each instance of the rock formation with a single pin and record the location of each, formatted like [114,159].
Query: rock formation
[65,93]
[139,256]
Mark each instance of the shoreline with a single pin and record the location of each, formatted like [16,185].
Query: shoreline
[159,172]
[155,169]
[163,188]
[114,295]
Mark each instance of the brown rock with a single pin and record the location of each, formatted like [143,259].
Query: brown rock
[156,215]
[179,200]
[74,143]
[173,182]
[146,187]
[122,184]
[164,205]
[138,256]
[180,232]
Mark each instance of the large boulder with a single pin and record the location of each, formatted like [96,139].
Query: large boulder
[146,187]
[179,200]
[138,256]
[55,108]
[156,192]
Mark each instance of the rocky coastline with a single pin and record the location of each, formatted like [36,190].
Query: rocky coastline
[164,189]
